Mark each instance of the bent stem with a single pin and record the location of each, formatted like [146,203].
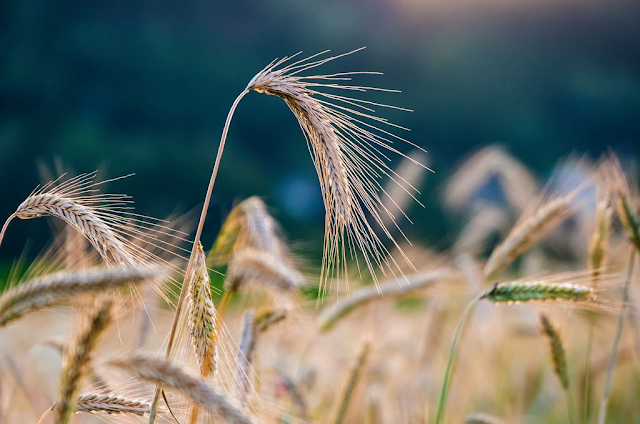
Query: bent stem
[616,342]
[4,227]
[447,372]
[196,241]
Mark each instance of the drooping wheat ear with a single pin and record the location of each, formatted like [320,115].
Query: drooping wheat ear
[195,388]
[105,220]
[55,288]
[202,316]
[98,403]
[77,360]
[255,266]
[249,225]
[490,162]
[528,232]
[331,315]
[512,292]
[353,378]
[245,357]
[265,319]
[558,357]
[347,150]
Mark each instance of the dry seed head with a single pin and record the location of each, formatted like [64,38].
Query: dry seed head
[77,361]
[528,232]
[249,225]
[245,357]
[331,315]
[55,288]
[556,349]
[347,143]
[255,266]
[97,403]
[174,377]
[625,192]
[600,237]
[537,291]
[202,316]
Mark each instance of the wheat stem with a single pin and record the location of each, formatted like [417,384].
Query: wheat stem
[616,342]
[447,372]
[196,242]
[354,377]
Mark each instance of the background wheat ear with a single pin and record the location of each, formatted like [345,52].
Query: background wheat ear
[176,378]
[77,360]
[55,288]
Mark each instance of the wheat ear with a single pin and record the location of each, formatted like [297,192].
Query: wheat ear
[195,388]
[98,403]
[55,288]
[265,319]
[331,315]
[251,265]
[354,376]
[245,357]
[558,359]
[512,292]
[527,233]
[77,360]
[202,316]
[346,141]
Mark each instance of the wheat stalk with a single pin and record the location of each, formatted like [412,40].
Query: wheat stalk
[55,288]
[537,291]
[77,360]
[111,404]
[354,376]
[331,315]
[527,233]
[195,388]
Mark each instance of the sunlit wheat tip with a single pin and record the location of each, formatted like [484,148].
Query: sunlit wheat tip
[558,357]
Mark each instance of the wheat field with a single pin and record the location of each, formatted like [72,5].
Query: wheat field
[529,316]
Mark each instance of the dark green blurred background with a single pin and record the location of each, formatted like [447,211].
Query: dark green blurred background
[145,86]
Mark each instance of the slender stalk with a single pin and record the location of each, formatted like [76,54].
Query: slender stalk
[4,227]
[447,372]
[196,241]
[586,396]
[616,342]
[570,405]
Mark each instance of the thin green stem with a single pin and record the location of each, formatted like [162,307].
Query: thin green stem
[570,406]
[616,342]
[447,372]
[196,242]
[586,396]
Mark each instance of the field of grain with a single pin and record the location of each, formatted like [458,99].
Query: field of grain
[531,316]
